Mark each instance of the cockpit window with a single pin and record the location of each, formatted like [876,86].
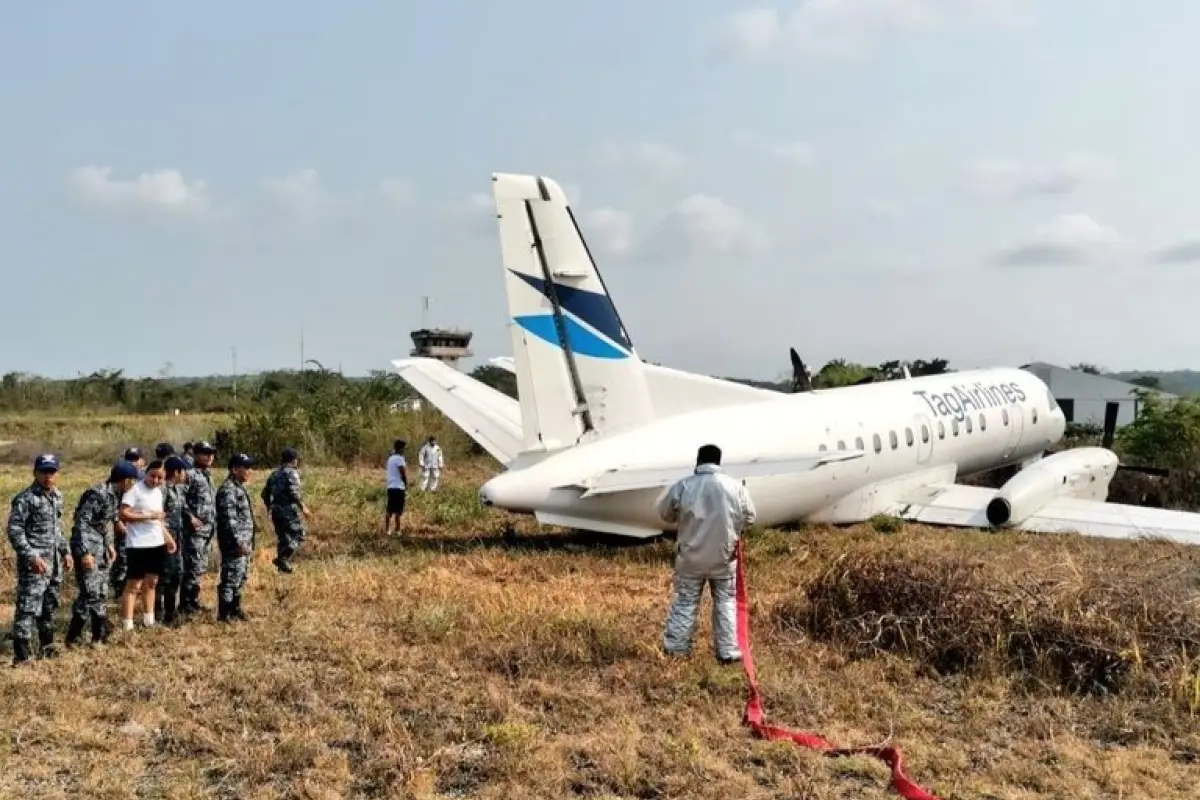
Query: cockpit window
[1050,399]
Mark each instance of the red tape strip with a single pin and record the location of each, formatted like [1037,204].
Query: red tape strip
[754,716]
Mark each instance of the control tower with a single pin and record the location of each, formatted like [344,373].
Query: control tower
[445,344]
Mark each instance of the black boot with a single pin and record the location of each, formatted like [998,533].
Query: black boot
[100,629]
[75,630]
[236,611]
[21,651]
[168,608]
[158,605]
[46,640]
[223,611]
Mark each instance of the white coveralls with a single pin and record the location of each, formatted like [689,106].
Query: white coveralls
[430,459]
[712,511]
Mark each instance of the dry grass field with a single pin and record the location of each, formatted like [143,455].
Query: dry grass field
[452,664]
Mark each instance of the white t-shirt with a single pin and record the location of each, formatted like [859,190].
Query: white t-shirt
[394,463]
[142,498]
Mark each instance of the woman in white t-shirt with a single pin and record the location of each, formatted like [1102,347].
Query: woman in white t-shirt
[147,543]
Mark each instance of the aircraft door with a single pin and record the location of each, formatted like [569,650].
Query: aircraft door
[1014,431]
[924,433]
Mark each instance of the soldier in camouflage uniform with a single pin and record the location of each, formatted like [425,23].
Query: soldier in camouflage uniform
[94,551]
[199,519]
[285,504]
[35,531]
[235,537]
[167,596]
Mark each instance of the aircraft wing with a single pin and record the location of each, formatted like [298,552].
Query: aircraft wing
[490,417]
[620,479]
[964,506]
[504,362]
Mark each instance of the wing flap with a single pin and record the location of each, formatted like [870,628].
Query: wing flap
[488,416]
[965,506]
[598,526]
[628,479]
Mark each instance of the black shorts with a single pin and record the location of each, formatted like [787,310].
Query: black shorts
[395,501]
[143,561]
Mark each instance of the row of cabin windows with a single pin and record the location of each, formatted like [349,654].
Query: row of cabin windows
[910,439]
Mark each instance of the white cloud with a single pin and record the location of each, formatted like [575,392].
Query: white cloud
[1067,239]
[162,190]
[397,191]
[796,153]
[299,193]
[610,228]
[1186,252]
[658,160]
[882,209]
[703,225]
[841,28]
[1010,178]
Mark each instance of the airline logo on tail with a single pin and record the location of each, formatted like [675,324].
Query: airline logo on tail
[604,337]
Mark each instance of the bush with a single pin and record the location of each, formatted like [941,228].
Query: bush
[334,420]
[1129,618]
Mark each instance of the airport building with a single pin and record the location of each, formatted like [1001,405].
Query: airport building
[448,345]
[1085,398]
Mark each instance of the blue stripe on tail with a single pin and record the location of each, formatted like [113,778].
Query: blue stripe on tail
[594,308]
[583,342]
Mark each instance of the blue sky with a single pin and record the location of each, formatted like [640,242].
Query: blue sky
[990,181]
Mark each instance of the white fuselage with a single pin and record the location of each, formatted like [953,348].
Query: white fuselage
[952,424]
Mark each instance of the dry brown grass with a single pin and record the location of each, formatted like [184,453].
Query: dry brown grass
[451,665]
[98,437]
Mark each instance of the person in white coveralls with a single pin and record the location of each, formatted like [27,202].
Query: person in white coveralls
[712,510]
[431,463]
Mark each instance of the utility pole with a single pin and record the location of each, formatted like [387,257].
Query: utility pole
[233,359]
[424,312]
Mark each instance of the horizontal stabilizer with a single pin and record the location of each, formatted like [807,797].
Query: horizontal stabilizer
[966,506]
[636,478]
[488,416]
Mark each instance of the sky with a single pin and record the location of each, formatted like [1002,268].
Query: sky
[988,181]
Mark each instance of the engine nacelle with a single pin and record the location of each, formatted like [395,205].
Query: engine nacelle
[1083,473]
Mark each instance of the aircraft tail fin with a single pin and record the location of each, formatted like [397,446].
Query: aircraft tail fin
[578,376]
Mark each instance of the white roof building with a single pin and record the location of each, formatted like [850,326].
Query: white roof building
[1084,397]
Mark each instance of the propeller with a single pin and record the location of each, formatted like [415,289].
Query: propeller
[801,381]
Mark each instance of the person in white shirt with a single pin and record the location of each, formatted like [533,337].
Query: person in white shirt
[147,543]
[431,461]
[397,483]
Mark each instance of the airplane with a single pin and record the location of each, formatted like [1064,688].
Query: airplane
[597,435]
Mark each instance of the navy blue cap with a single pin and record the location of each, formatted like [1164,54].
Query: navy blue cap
[289,454]
[241,460]
[46,462]
[133,454]
[164,449]
[175,463]
[203,447]
[122,470]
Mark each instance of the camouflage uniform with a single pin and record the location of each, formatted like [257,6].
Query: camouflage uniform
[166,598]
[235,538]
[284,498]
[117,570]
[92,535]
[35,530]
[199,500]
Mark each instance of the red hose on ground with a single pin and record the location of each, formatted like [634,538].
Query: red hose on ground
[754,715]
